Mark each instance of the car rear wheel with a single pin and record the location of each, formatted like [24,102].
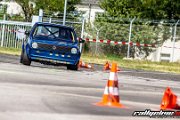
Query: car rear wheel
[24,59]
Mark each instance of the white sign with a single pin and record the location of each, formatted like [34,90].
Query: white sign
[35,19]
[20,34]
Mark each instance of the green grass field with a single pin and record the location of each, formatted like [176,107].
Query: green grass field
[12,51]
[133,64]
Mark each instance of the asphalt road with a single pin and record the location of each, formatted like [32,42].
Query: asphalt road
[42,92]
[129,72]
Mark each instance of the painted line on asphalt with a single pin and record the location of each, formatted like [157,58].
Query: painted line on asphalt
[146,78]
[175,82]
[158,73]
[133,104]
[5,71]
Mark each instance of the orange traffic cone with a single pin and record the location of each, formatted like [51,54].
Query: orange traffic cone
[84,65]
[107,66]
[170,100]
[118,69]
[111,92]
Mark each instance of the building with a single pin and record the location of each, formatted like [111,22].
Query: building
[90,7]
[169,52]
[12,7]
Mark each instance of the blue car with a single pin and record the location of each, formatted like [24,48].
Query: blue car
[51,44]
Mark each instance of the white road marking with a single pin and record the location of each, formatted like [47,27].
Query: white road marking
[158,73]
[5,71]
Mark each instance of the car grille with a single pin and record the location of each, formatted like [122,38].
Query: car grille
[54,48]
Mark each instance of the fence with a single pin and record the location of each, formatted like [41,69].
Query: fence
[131,38]
[134,38]
[12,33]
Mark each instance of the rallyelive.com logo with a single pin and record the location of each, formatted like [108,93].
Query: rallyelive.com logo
[157,114]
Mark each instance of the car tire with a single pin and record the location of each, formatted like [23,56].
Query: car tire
[73,67]
[24,59]
[21,57]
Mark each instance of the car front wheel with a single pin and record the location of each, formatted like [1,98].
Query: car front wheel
[24,59]
[72,67]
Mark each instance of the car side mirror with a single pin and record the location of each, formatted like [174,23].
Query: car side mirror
[81,40]
[27,33]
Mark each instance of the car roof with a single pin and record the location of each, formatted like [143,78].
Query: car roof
[53,24]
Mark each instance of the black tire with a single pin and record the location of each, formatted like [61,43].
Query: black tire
[24,59]
[21,57]
[73,67]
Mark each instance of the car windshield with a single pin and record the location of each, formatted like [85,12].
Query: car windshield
[53,32]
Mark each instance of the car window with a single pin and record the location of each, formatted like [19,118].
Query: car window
[51,32]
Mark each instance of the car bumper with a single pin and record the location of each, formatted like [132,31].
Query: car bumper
[37,55]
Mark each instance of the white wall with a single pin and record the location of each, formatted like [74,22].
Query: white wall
[166,48]
[12,8]
[87,10]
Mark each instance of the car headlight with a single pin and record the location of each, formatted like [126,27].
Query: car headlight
[34,45]
[74,51]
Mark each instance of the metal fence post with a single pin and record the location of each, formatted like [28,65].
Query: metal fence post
[40,15]
[3,32]
[97,38]
[82,33]
[129,41]
[64,16]
[50,20]
[174,41]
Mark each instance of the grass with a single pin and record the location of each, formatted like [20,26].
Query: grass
[132,64]
[12,51]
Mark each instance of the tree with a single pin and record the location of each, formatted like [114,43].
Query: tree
[118,8]
[71,4]
[153,9]
[160,9]
[49,6]
[52,6]
[27,8]
[117,16]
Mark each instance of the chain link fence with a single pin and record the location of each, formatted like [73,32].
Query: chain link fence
[144,38]
[147,39]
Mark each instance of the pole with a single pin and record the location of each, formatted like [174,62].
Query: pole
[64,17]
[174,40]
[82,33]
[40,15]
[3,31]
[97,38]
[89,12]
[50,20]
[97,35]
[130,29]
